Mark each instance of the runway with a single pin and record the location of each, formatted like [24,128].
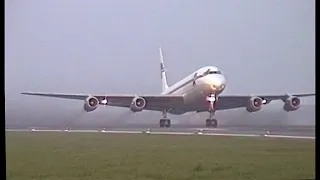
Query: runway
[270,132]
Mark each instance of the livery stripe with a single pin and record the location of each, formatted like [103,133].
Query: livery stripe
[181,86]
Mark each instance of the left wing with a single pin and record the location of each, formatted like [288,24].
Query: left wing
[153,102]
[237,101]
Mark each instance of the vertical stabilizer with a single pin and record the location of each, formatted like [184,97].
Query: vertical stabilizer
[163,72]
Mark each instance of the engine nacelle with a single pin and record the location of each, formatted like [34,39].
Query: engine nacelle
[291,104]
[91,103]
[137,104]
[255,104]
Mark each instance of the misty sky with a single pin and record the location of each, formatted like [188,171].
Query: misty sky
[102,46]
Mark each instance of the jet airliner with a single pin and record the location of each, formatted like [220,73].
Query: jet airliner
[201,91]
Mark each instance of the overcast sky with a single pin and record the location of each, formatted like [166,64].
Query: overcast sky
[102,46]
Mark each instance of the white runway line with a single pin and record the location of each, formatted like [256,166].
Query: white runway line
[123,132]
[210,129]
[290,137]
[172,133]
[237,135]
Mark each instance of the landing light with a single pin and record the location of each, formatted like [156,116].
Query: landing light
[211,98]
[104,101]
[200,132]
[147,131]
[264,101]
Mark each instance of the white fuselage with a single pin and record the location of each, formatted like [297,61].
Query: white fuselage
[195,89]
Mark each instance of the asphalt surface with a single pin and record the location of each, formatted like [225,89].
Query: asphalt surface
[300,132]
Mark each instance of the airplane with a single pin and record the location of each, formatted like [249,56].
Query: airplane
[201,91]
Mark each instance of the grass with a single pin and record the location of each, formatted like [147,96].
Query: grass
[74,156]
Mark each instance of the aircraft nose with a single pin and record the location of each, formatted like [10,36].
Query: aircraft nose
[217,82]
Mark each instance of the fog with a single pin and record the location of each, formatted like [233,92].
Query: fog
[101,46]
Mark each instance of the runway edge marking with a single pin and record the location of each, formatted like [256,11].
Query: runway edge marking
[176,133]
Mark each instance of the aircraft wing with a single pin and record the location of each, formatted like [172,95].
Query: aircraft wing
[237,101]
[154,102]
[160,102]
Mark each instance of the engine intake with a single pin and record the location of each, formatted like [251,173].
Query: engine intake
[255,104]
[91,103]
[137,104]
[291,104]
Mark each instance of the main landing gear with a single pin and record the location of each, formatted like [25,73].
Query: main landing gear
[165,122]
[211,122]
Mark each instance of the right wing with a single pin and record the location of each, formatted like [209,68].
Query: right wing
[154,102]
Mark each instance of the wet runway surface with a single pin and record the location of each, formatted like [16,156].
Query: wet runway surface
[301,132]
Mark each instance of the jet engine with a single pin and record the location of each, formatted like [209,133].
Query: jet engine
[255,104]
[137,104]
[91,103]
[292,103]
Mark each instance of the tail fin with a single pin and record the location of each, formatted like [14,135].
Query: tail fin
[163,72]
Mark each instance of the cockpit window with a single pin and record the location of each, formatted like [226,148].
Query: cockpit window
[215,72]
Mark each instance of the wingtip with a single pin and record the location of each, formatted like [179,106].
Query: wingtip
[25,93]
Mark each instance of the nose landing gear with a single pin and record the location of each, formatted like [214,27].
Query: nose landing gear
[211,122]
